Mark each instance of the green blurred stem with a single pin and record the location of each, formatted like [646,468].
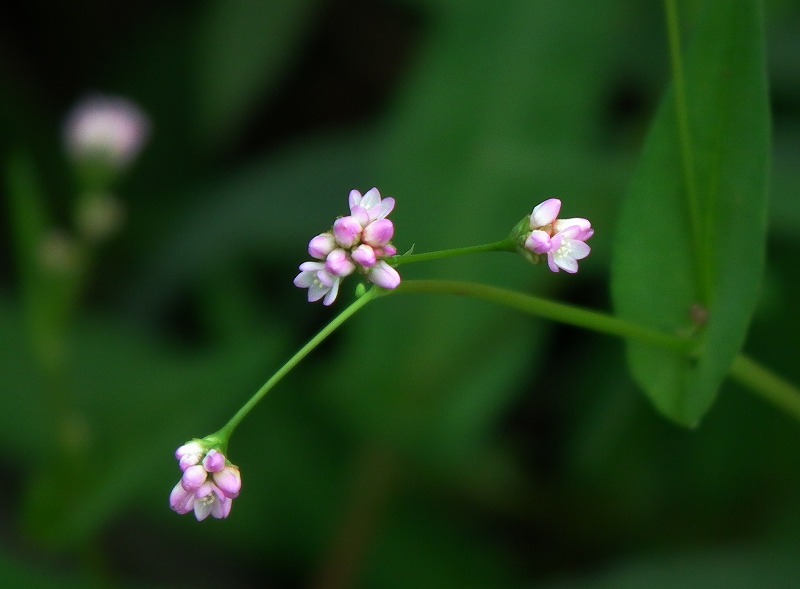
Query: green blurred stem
[744,370]
[559,312]
[767,384]
[687,155]
[505,245]
[222,436]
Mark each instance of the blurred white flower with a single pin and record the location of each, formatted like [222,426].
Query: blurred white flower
[109,128]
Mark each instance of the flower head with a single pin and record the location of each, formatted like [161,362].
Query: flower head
[209,483]
[319,282]
[369,207]
[358,242]
[563,241]
[109,128]
[566,249]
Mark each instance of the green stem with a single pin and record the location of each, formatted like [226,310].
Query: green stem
[505,245]
[687,156]
[560,312]
[221,436]
[767,384]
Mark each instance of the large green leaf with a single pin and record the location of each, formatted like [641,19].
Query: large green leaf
[667,275]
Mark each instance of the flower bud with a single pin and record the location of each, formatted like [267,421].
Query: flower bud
[364,256]
[545,213]
[347,231]
[378,232]
[321,245]
[339,264]
[384,276]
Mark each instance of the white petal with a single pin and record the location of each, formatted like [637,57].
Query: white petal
[579,250]
[566,263]
[354,198]
[371,198]
[334,290]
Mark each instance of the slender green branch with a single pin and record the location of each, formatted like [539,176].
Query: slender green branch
[505,245]
[225,432]
[687,155]
[767,384]
[560,312]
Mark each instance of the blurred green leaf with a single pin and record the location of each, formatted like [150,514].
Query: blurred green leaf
[241,49]
[32,576]
[132,402]
[731,568]
[655,280]
[272,205]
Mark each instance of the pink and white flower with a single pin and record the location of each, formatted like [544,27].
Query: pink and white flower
[369,207]
[563,241]
[358,242]
[319,282]
[207,487]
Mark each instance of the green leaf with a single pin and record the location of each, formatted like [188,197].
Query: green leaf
[675,262]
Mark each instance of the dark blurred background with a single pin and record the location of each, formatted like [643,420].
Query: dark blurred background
[432,442]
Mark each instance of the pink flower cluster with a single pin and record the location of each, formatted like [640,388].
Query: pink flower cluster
[209,483]
[358,242]
[562,240]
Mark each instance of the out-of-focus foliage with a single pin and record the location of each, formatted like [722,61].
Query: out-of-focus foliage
[432,442]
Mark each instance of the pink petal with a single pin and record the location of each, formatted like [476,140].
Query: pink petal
[214,461]
[347,231]
[229,480]
[194,477]
[321,245]
[361,214]
[181,500]
[545,213]
[551,263]
[384,276]
[585,227]
[387,251]
[364,256]
[354,198]
[338,264]
[221,508]
[378,233]
[189,448]
[539,242]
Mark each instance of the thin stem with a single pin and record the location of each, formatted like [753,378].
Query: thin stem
[767,384]
[560,312]
[225,432]
[505,245]
[687,156]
